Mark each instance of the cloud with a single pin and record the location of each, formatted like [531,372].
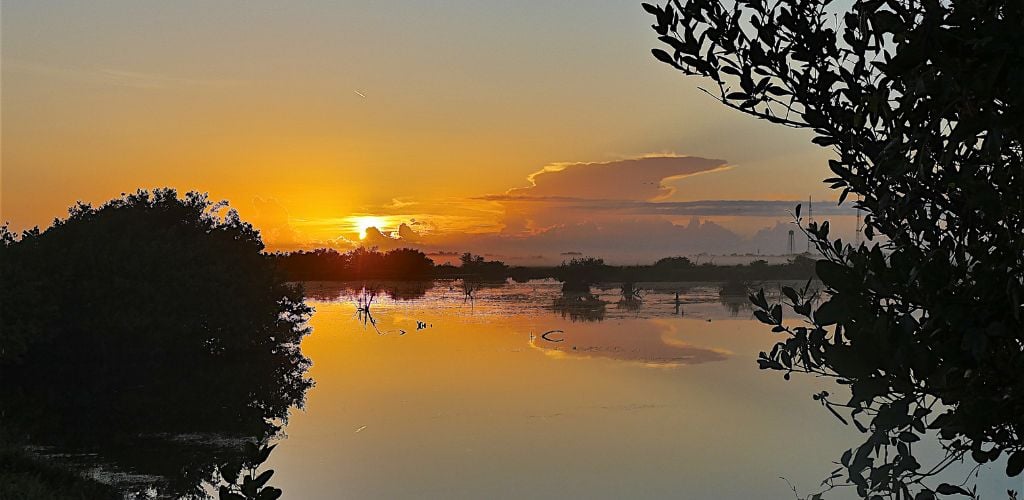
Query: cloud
[274,223]
[614,210]
[114,76]
[731,208]
[631,179]
[280,231]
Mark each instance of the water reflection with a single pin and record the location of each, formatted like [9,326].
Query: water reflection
[163,422]
[651,343]
[462,399]
[736,304]
[127,438]
[579,306]
[326,291]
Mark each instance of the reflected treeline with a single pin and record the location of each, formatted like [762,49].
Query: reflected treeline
[578,272]
[398,290]
[152,332]
[734,295]
[735,304]
[579,306]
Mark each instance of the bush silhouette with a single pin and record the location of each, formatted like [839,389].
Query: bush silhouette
[148,314]
[921,103]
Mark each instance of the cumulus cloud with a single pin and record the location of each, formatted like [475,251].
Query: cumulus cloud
[616,210]
[631,179]
[274,223]
[731,208]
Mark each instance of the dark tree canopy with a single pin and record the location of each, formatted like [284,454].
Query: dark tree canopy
[922,103]
[150,314]
[358,264]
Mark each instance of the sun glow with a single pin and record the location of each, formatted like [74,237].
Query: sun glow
[364,222]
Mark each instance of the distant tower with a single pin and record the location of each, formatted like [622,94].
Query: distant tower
[859,228]
[810,220]
[791,250]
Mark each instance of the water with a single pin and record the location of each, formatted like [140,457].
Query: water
[642,404]
[516,392]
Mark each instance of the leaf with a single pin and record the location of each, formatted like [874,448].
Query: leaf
[252,450]
[829,313]
[265,453]
[663,56]
[269,493]
[832,274]
[763,317]
[951,489]
[790,294]
[230,472]
[1015,464]
[262,479]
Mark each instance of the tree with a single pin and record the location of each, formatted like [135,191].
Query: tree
[150,315]
[921,102]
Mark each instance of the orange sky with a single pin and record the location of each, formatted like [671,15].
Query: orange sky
[264,106]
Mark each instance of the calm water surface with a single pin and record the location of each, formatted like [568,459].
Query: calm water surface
[520,392]
[624,402]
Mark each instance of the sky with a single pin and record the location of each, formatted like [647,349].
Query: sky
[523,129]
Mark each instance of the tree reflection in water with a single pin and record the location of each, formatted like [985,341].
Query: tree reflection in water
[579,306]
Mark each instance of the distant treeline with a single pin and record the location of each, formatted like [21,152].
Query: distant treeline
[411,264]
[589,271]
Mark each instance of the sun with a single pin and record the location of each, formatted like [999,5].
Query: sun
[364,222]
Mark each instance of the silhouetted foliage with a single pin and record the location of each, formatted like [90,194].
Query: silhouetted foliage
[579,274]
[151,314]
[243,482]
[476,266]
[358,264]
[674,263]
[25,477]
[921,101]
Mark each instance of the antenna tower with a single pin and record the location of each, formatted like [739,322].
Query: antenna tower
[859,228]
[810,220]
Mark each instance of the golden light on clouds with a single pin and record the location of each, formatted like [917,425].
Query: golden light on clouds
[360,223]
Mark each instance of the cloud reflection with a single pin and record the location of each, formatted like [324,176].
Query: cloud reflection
[652,343]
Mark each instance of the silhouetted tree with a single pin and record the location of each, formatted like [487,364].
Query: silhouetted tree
[674,263]
[358,264]
[475,266]
[921,102]
[149,314]
[578,274]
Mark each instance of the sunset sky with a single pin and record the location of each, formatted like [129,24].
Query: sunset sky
[524,129]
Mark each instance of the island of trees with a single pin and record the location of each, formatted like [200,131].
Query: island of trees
[406,264]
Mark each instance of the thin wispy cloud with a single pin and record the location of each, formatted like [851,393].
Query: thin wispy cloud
[118,77]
